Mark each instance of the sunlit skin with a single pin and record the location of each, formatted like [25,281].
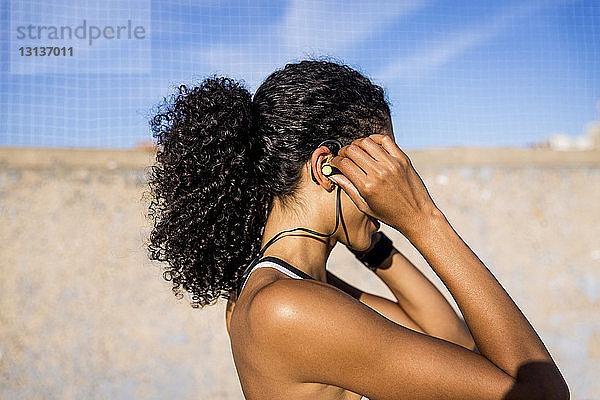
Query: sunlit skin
[325,339]
[309,254]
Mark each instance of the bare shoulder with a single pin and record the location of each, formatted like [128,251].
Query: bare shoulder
[317,315]
[300,304]
[325,335]
[302,292]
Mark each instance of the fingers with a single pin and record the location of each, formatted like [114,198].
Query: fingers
[372,148]
[352,192]
[359,156]
[365,153]
[389,145]
[350,170]
[365,164]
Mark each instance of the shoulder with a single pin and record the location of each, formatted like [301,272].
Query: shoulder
[320,334]
[300,302]
[289,315]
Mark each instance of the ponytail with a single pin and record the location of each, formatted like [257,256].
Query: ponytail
[207,205]
[223,157]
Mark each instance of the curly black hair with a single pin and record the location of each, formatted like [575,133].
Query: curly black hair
[222,157]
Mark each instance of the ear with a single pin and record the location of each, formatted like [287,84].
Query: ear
[318,158]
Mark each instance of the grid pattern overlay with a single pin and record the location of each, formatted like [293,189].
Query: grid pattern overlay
[458,73]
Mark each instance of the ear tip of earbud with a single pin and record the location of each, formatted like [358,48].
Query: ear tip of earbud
[327,170]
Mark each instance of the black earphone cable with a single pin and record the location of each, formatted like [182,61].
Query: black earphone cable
[337,221]
[278,236]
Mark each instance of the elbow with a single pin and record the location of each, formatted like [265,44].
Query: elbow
[537,391]
[553,385]
[557,391]
[544,382]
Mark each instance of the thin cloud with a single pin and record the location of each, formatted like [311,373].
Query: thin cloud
[415,68]
[306,27]
[337,25]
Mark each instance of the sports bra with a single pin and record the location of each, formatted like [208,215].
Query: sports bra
[280,265]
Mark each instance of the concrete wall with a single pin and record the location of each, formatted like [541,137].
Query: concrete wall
[84,314]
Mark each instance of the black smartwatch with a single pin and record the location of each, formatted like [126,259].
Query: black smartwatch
[382,249]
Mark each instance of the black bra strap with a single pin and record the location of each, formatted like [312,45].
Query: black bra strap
[287,266]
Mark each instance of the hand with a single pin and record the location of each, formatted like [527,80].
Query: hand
[380,179]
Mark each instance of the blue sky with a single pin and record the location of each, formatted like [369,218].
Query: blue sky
[458,73]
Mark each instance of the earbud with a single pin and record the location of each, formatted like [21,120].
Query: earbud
[326,168]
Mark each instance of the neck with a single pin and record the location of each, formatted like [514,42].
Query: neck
[303,250]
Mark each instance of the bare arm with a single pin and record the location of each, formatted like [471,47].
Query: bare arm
[376,170]
[501,331]
[422,302]
[318,333]
[387,308]
[314,332]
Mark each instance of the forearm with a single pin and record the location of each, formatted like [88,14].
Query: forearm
[500,330]
[388,308]
[372,177]
[422,301]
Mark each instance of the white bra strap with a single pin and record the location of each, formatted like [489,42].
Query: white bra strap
[271,264]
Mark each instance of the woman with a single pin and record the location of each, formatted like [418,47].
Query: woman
[247,208]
